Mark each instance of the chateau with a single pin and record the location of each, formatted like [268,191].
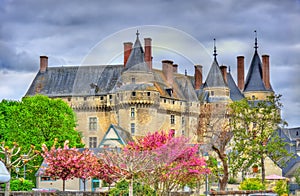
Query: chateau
[140,99]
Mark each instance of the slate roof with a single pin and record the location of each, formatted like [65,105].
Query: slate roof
[75,80]
[136,61]
[215,77]
[254,79]
[235,93]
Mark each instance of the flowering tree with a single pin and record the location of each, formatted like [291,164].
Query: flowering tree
[177,163]
[88,164]
[63,163]
[128,164]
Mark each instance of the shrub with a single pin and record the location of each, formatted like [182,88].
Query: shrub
[122,188]
[232,180]
[281,187]
[21,185]
[252,184]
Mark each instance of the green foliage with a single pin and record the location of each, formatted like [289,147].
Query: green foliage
[281,187]
[252,184]
[232,180]
[122,188]
[297,175]
[21,185]
[37,120]
[254,125]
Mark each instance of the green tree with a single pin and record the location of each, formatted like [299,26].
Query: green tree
[35,121]
[254,125]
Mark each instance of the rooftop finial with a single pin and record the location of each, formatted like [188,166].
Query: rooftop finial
[255,44]
[137,33]
[215,49]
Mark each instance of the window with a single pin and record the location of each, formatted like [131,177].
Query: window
[69,98]
[133,94]
[93,123]
[132,112]
[172,119]
[182,120]
[101,98]
[212,93]
[165,101]
[133,80]
[148,94]
[182,132]
[132,128]
[92,142]
[84,98]
[47,178]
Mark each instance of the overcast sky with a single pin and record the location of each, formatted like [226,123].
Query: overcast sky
[70,32]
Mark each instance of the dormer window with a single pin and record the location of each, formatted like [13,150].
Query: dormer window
[169,91]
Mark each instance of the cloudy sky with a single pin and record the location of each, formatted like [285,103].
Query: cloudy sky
[72,32]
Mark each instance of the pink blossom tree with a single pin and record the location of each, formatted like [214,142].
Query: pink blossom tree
[62,163]
[165,161]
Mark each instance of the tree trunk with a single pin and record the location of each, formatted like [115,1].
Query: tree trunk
[64,185]
[223,181]
[84,186]
[263,170]
[131,187]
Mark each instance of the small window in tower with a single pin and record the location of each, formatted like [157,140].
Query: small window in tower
[148,94]
[165,101]
[133,80]
[132,128]
[133,93]
[172,119]
[132,112]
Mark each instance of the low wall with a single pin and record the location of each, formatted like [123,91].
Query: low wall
[238,192]
[57,193]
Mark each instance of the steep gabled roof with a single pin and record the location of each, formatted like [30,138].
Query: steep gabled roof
[235,93]
[115,136]
[136,61]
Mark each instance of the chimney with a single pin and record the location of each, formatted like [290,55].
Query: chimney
[148,52]
[127,51]
[198,76]
[224,72]
[175,68]
[167,68]
[43,64]
[266,70]
[240,72]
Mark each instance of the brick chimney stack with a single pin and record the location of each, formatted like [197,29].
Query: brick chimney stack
[175,68]
[148,52]
[266,70]
[127,51]
[167,68]
[241,72]
[198,76]
[224,72]
[43,64]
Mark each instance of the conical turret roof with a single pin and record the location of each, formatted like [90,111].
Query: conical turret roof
[136,61]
